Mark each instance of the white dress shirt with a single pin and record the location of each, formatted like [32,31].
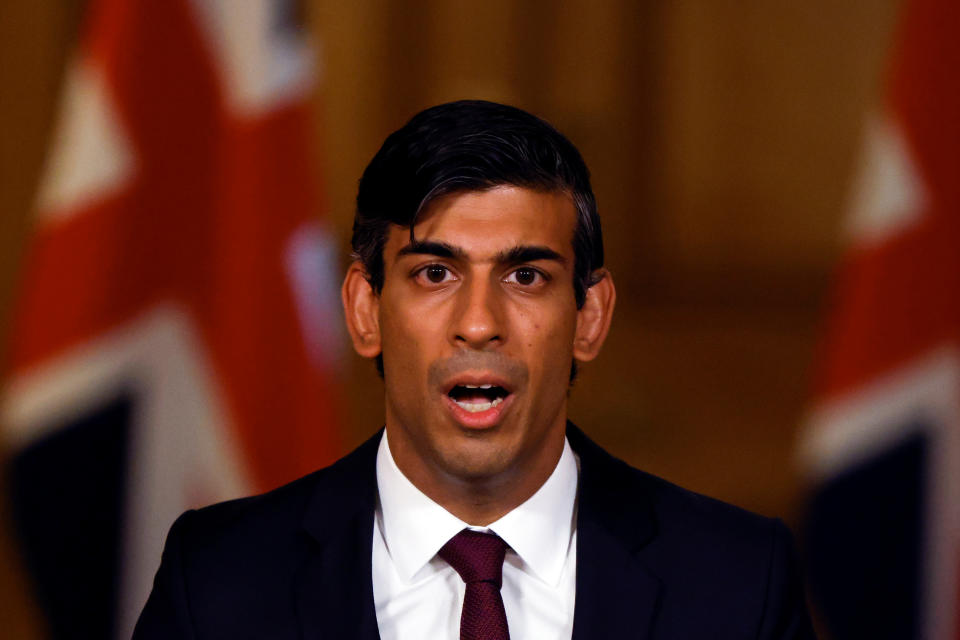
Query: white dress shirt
[418,595]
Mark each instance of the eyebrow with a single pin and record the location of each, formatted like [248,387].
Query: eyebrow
[432,248]
[514,255]
[528,253]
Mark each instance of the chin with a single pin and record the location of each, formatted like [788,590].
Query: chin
[475,463]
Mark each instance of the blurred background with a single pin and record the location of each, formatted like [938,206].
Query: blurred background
[724,139]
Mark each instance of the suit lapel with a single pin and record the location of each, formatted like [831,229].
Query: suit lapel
[616,594]
[334,586]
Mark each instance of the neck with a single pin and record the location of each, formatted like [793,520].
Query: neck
[479,497]
[480,503]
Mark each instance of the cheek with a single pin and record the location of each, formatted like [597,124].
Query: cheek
[548,337]
[409,338]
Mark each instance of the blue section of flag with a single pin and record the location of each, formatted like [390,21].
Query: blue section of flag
[67,499]
[864,539]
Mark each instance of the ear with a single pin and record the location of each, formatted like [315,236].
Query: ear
[593,319]
[361,307]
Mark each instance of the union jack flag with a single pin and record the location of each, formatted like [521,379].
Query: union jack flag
[177,325]
[883,446]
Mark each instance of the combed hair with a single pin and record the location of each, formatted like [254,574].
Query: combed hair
[471,145]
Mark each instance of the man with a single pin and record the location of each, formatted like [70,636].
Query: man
[479,512]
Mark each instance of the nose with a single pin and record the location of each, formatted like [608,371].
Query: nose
[478,315]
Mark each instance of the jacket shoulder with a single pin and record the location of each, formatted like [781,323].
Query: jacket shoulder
[234,564]
[286,512]
[682,511]
[735,568]
[659,506]
[276,513]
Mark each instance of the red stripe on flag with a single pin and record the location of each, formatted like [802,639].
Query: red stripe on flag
[924,93]
[204,224]
[897,300]
[894,303]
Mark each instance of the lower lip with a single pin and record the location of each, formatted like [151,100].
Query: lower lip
[481,419]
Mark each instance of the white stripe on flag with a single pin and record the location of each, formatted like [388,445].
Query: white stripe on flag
[261,65]
[91,157]
[888,194]
[918,398]
[182,451]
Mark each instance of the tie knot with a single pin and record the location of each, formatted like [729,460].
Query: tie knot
[477,557]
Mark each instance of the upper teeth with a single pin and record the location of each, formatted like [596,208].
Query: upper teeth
[478,386]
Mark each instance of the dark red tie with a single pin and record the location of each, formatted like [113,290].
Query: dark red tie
[478,558]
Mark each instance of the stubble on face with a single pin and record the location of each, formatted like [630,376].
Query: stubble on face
[526,344]
[481,454]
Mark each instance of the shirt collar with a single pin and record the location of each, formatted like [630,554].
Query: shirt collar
[414,527]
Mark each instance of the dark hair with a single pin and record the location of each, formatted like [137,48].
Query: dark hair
[471,145]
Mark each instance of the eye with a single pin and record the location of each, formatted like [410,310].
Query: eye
[434,274]
[526,276]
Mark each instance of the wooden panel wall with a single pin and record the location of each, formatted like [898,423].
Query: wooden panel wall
[721,135]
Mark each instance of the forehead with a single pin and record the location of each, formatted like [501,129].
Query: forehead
[484,223]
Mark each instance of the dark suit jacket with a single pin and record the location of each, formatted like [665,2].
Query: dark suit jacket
[653,561]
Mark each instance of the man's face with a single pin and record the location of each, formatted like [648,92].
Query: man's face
[477,320]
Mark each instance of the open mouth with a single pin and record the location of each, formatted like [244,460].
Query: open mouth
[477,398]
